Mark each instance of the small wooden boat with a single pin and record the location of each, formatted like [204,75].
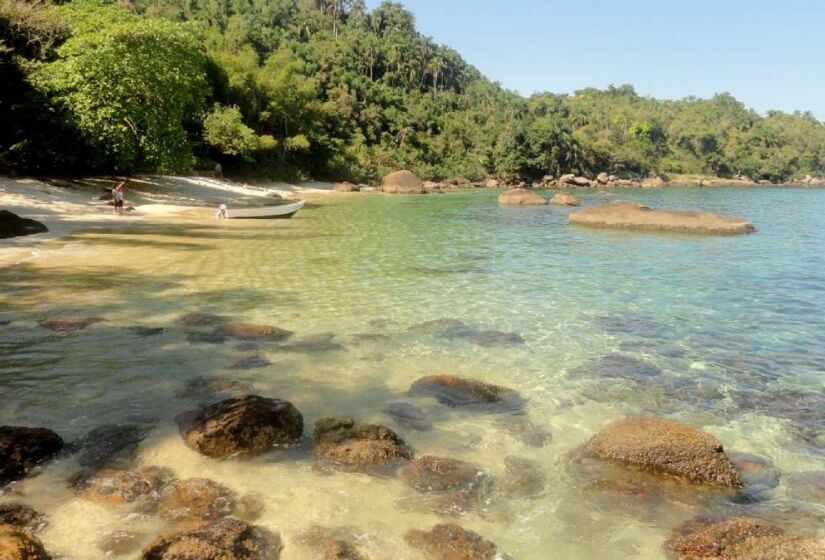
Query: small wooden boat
[266,212]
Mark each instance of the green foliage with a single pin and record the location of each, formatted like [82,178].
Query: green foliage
[224,129]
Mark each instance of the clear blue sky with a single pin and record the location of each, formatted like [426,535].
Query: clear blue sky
[770,54]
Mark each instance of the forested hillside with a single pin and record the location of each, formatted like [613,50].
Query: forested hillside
[328,89]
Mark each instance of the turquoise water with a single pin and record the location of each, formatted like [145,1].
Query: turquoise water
[726,333]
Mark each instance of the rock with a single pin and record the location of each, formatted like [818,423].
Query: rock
[22,516]
[197,498]
[12,225]
[68,324]
[448,541]
[408,416]
[564,199]
[439,474]
[779,548]
[712,540]
[109,445]
[621,214]
[491,184]
[343,443]
[248,331]
[665,447]
[206,337]
[218,540]
[346,186]
[402,182]
[756,470]
[494,338]
[582,182]
[323,342]
[521,197]
[602,178]
[215,388]
[251,362]
[17,544]
[241,426]
[653,181]
[807,486]
[341,550]
[250,507]
[444,328]
[120,543]
[459,392]
[523,478]
[524,430]
[202,319]
[612,179]
[120,487]
[23,449]
[567,179]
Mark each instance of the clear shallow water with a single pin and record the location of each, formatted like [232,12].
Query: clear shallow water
[727,333]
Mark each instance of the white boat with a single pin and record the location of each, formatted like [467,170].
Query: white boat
[263,212]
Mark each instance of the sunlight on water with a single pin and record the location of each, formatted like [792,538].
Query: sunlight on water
[726,333]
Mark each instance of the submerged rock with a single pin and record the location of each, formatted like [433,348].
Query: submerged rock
[408,416]
[252,362]
[440,474]
[203,319]
[622,214]
[665,447]
[715,539]
[495,338]
[68,324]
[564,199]
[22,449]
[22,516]
[120,487]
[344,443]
[807,486]
[248,331]
[755,470]
[197,498]
[119,543]
[524,430]
[109,445]
[523,478]
[219,540]
[17,544]
[215,388]
[143,331]
[448,541]
[248,425]
[12,225]
[402,182]
[618,366]
[206,337]
[525,197]
[462,392]
[445,328]
[324,342]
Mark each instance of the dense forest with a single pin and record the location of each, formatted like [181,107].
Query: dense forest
[328,89]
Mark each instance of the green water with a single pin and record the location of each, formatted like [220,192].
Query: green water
[726,333]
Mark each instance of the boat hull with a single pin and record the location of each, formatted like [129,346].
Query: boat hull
[279,212]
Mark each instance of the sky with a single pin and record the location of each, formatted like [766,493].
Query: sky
[770,54]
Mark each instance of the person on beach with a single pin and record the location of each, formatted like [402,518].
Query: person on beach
[221,213]
[119,197]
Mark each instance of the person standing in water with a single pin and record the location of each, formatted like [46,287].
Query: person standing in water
[221,213]
[119,197]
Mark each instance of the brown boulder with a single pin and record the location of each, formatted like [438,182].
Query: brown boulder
[621,214]
[12,225]
[68,324]
[346,186]
[665,447]
[707,539]
[653,181]
[17,544]
[22,449]
[602,178]
[226,539]
[522,197]
[116,487]
[439,474]
[459,391]
[247,331]
[581,182]
[567,179]
[402,182]
[247,425]
[22,516]
[564,199]
[197,498]
[448,541]
[779,548]
[343,443]
[341,550]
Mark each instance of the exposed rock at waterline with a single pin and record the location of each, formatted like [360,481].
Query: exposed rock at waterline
[448,541]
[17,544]
[408,416]
[22,449]
[12,225]
[248,425]
[462,392]
[713,540]
[197,498]
[226,539]
[68,324]
[345,186]
[402,182]
[603,178]
[779,548]
[622,214]
[524,197]
[121,487]
[22,516]
[248,331]
[564,199]
[665,447]
[344,443]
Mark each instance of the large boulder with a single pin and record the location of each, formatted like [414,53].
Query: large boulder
[564,199]
[402,182]
[346,186]
[567,179]
[343,443]
[12,225]
[581,182]
[448,541]
[17,544]
[602,178]
[22,516]
[523,197]
[665,447]
[22,449]
[622,214]
[219,540]
[248,425]
[462,392]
